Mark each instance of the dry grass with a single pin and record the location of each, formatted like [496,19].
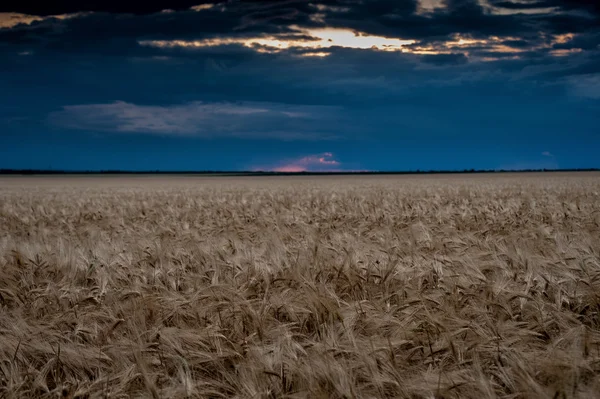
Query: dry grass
[307,288]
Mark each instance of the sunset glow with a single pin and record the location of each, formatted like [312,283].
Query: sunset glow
[322,39]
[11,19]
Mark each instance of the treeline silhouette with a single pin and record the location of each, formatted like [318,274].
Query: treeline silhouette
[268,173]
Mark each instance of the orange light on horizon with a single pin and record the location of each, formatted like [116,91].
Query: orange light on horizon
[323,39]
[320,40]
[12,19]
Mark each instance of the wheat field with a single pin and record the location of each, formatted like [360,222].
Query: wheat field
[478,286]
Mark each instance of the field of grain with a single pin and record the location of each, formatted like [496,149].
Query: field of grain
[476,286]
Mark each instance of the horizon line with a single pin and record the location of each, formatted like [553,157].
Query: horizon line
[20,171]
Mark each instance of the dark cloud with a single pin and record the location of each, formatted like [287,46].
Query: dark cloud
[371,8]
[517,43]
[512,5]
[45,8]
[466,7]
[445,59]
[378,8]
[583,42]
[591,6]
[111,33]
[468,17]
[466,20]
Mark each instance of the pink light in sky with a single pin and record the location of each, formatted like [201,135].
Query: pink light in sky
[323,162]
[317,162]
[290,168]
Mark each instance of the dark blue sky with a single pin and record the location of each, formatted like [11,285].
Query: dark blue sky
[288,85]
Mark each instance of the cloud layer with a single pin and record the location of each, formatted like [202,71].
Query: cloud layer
[225,119]
[323,162]
[46,8]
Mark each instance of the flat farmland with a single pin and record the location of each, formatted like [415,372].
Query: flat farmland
[419,286]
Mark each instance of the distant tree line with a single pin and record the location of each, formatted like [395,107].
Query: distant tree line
[6,171]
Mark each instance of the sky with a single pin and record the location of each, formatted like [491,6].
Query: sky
[293,85]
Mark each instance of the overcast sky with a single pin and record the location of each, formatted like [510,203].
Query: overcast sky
[292,85]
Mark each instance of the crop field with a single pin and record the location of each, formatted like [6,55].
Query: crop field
[457,286]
